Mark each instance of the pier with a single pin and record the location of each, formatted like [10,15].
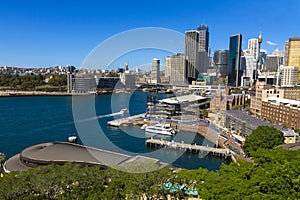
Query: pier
[126,120]
[191,147]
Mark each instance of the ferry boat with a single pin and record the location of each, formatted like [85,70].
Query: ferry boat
[124,110]
[160,129]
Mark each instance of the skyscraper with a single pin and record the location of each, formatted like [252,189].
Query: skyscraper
[285,53]
[168,67]
[177,67]
[250,67]
[155,73]
[203,48]
[272,63]
[294,54]
[234,60]
[253,47]
[203,37]
[221,61]
[191,52]
[197,50]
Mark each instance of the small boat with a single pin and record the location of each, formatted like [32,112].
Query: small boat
[160,129]
[124,110]
[72,139]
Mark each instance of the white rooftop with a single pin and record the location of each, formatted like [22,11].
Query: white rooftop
[182,99]
[288,102]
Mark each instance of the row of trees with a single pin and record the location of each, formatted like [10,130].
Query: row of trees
[275,174]
[72,181]
[33,82]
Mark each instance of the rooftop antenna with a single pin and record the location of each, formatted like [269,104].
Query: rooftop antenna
[258,62]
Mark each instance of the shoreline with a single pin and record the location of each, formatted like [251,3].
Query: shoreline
[199,128]
[11,93]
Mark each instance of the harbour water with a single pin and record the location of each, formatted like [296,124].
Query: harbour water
[30,120]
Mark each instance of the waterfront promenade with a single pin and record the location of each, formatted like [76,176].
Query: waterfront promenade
[200,127]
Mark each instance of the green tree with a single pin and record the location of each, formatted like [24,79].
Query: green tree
[265,137]
[2,159]
[202,112]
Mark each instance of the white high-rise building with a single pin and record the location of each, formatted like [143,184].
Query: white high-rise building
[253,47]
[250,67]
[289,76]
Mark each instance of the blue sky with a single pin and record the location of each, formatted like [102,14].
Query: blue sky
[43,33]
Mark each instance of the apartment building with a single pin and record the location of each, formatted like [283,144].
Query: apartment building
[281,111]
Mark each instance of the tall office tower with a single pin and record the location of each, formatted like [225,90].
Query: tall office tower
[250,66]
[155,73]
[294,54]
[285,53]
[203,37]
[253,47]
[191,52]
[272,63]
[178,69]
[221,61]
[168,66]
[289,76]
[234,60]
[203,48]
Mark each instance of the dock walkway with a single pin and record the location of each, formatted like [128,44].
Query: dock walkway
[191,147]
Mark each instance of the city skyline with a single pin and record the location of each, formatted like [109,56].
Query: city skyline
[49,33]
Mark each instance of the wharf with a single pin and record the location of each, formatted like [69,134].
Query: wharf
[126,120]
[191,147]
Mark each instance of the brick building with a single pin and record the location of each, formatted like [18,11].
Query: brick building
[226,101]
[281,111]
[264,91]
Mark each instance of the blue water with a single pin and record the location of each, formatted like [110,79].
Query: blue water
[26,121]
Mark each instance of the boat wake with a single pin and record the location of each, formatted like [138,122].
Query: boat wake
[121,112]
[110,115]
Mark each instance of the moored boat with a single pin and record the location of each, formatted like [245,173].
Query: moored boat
[161,129]
[124,110]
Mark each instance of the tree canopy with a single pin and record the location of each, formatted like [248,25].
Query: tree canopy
[275,174]
[33,82]
[265,137]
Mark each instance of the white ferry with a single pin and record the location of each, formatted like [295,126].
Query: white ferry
[160,129]
[124,110]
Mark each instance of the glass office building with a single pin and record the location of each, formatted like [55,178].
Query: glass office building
[234,61]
